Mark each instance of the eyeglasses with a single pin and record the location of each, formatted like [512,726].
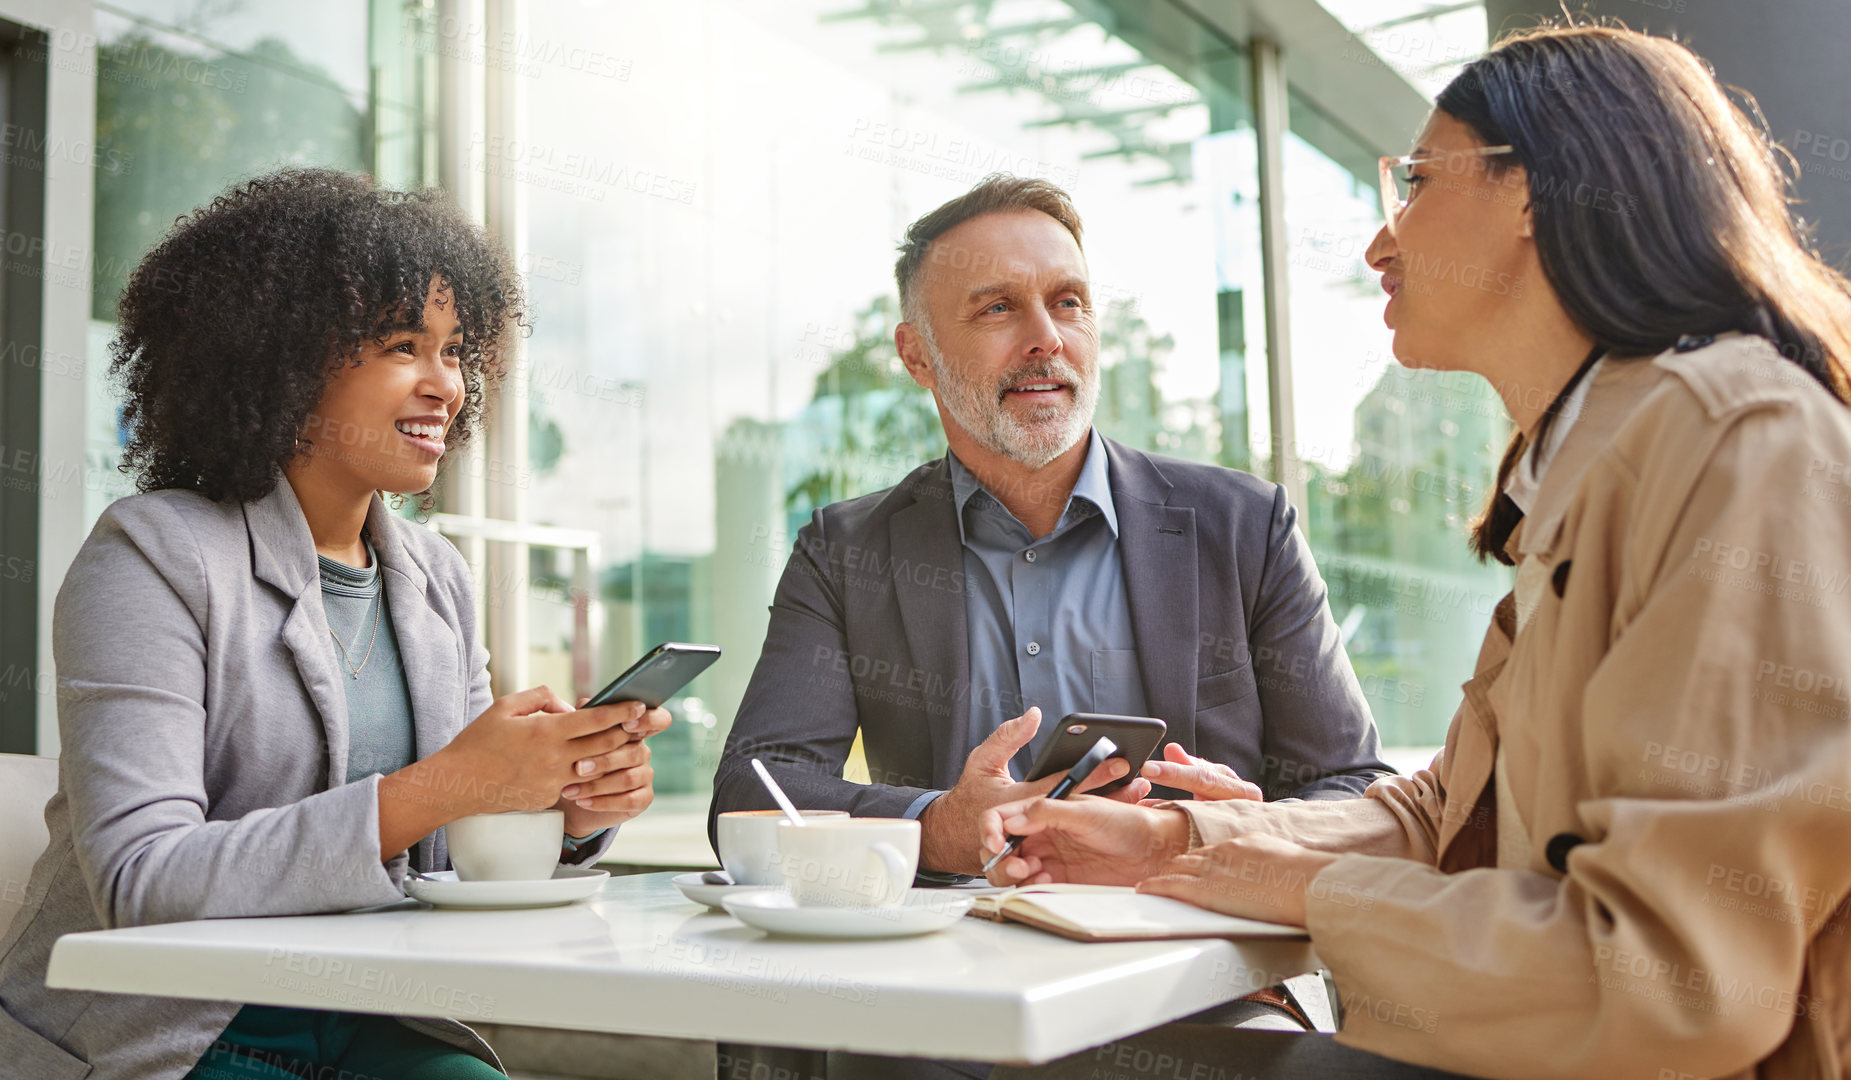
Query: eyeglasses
[1397,187]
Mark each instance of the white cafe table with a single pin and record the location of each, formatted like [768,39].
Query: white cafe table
[638,959]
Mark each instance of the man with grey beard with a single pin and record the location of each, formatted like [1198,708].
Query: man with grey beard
[1035,570]
[1038,569]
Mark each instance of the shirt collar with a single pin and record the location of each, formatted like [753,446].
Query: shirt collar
[1526,479]
[359,576]
[1094,485]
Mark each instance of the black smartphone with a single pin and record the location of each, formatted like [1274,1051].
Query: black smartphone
[1137,737]
[659,675]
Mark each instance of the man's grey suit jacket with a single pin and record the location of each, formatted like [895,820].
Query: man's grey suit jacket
[1236,648]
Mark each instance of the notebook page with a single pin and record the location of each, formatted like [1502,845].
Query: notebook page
[1125,913]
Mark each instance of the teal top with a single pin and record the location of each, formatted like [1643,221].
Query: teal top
[380,735]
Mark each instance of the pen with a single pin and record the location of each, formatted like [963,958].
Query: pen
[1094,758]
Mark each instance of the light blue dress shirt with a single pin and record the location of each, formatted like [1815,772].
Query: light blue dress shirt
[1047,619]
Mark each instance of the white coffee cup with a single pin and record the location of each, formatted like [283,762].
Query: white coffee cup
[521,845]
[748,841]
[849,862]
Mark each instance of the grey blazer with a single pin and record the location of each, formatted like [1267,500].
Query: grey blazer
[204,731]
[1236,649]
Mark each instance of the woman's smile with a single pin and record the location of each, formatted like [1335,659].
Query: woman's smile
[425,433]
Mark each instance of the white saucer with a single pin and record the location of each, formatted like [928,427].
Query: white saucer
[924,911]
[568,883]
[700,892]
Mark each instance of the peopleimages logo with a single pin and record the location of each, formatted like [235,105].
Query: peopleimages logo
[1423,271]
[573,171]
[22,145]
[521,53]
[926,151]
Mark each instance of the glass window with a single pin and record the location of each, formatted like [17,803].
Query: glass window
[1397,461]
[713,209]
[192,97]
[1425,43]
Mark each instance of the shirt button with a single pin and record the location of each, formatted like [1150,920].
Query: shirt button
[1034,648]
[1029,554]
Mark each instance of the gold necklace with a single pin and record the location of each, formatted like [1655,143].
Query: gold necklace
[346,660]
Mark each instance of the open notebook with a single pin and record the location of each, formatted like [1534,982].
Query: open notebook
[1117,913]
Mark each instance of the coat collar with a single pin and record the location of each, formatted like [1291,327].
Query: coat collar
[283,550]
[283,555]
[1619,386]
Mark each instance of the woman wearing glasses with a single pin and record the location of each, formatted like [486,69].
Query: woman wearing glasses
[270,696]
[1630,859]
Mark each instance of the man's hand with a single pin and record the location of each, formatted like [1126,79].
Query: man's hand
[1210,781]
[1255,876]
[1085,839]
[948,841]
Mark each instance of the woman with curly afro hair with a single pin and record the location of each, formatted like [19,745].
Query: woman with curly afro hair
[271,700]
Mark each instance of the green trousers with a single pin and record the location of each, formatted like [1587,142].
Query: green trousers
[268,1043]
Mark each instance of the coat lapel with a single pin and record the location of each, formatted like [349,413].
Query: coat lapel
[1157,551]
[283,555]
[1617,390]
[925,534]
[428,654]
[1470,820]
[427,645]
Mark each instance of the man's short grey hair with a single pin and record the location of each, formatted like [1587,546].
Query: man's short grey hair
[994,193]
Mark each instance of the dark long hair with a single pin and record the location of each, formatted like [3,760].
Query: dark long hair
[1659,208]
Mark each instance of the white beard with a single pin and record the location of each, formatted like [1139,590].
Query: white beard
[1034,437]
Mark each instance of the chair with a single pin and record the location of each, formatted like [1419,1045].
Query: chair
[27,783]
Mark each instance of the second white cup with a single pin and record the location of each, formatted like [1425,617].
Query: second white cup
[748,843]
[849,862]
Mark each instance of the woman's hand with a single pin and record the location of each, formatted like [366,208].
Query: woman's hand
[1210,781]
[1255,876]
[517,755]
[948,823]
[1081,838]
[616,786]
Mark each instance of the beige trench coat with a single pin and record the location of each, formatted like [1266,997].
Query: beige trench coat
[1673,713]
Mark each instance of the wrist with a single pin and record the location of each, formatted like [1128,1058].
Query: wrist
[572,845]
[1173,833]
[934,852]
[1312,866]
[412,804]
[439,784]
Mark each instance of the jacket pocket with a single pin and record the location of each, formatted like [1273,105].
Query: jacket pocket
[1225,688]
[36,1056]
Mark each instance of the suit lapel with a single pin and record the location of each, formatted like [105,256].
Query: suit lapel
[925,535]
[283,555]
[1157,552]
